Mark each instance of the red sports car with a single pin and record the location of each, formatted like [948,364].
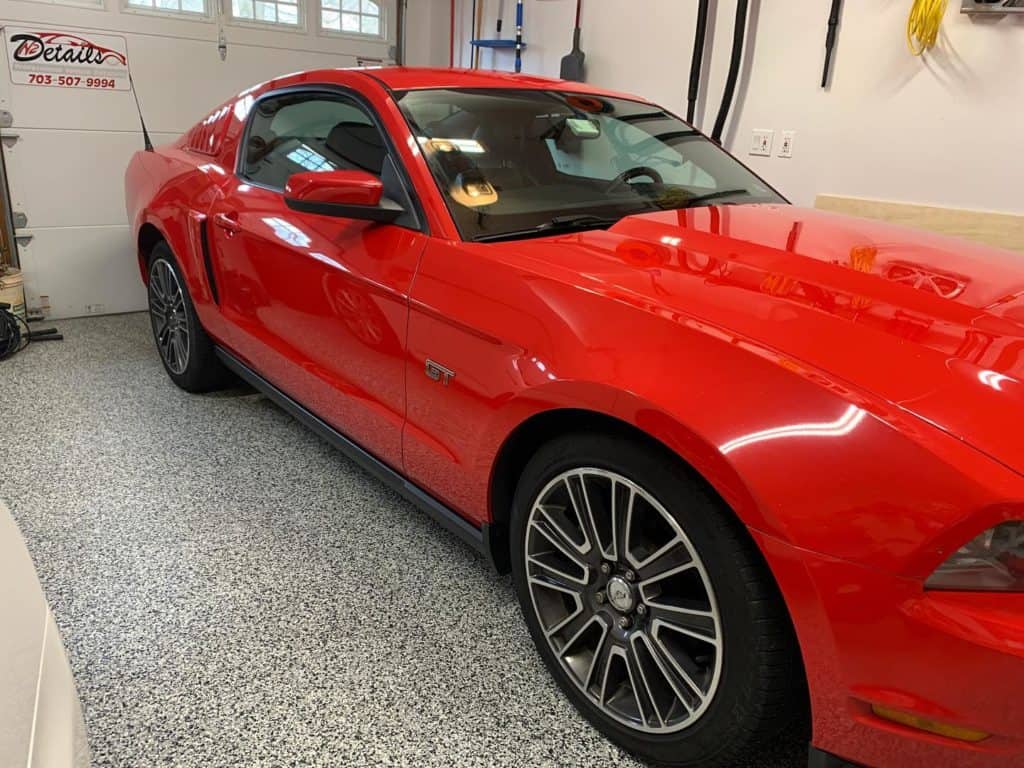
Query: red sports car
[752,467]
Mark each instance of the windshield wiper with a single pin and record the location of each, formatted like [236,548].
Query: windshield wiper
[693,201]
[556,225]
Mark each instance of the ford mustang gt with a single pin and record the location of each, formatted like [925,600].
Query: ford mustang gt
[753,468]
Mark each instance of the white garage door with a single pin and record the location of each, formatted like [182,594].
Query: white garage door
[66,146]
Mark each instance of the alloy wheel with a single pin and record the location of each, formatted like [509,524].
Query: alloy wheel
[623,600]
[168,315]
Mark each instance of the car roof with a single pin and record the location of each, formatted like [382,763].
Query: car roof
[419,78]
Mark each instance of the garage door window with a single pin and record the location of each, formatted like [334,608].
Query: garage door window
[88,3]
[352,17]
[280,12]
[188,7]
[293,134]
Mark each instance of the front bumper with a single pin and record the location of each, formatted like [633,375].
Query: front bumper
[871,638]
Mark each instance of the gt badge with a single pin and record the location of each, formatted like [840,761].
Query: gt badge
[438,372]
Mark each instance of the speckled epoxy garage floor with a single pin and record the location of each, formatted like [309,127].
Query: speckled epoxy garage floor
[233,592]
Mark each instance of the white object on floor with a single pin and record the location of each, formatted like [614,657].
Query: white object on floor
[39,708]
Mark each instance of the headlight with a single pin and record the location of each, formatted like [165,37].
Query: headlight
[993,562]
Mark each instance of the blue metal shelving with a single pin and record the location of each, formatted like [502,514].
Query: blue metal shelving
[517,44]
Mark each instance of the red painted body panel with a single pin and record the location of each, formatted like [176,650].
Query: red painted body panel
[844,385]
[419,78]
[871,638]
[318,306]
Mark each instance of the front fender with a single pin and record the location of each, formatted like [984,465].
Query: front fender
[798,456]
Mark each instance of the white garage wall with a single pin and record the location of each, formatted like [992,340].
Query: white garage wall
[66,165]
[429,25]
[942,131]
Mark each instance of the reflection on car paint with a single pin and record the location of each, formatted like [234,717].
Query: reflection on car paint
[841,427]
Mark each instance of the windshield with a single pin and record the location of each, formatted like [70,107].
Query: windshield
[517,163]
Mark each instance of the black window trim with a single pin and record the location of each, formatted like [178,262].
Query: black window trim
[333,90]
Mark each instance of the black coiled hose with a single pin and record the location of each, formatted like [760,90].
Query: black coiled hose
[738,39]
[697,65]
[12,339]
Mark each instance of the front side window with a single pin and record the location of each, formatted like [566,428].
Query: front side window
[283,12]
[295,133]
[357,17]
[511,163]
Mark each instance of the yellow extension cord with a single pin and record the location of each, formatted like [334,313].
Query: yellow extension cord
[924,23]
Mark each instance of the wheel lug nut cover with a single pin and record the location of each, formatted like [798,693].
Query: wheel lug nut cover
[605,568]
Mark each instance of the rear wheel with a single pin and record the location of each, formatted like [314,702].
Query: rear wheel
[650,605]
[185,350]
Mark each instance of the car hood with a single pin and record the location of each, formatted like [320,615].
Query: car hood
[930,324]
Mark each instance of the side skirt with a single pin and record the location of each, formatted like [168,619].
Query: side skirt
[818,759]
[479,539]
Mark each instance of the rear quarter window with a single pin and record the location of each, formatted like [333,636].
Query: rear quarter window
[206,136]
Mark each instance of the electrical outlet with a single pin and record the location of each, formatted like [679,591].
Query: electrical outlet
[786,148]
[94,309]
[761,143]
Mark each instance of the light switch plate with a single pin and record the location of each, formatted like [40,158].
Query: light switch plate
[761,142]
[786,147]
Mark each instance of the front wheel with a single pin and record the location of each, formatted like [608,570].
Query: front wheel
[650,605]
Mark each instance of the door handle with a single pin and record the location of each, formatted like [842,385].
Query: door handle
[228,222]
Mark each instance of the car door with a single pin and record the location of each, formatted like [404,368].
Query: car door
[319,304]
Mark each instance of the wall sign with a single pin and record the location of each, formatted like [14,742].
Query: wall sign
[44,56]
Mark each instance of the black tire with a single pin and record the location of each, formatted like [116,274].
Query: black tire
[185,349]
[759,689]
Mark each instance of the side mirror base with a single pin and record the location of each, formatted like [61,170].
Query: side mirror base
[383,213]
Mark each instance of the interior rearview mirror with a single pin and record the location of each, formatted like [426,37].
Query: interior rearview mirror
[345,194]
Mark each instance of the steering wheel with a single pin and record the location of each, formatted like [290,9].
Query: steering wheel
[625,177]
